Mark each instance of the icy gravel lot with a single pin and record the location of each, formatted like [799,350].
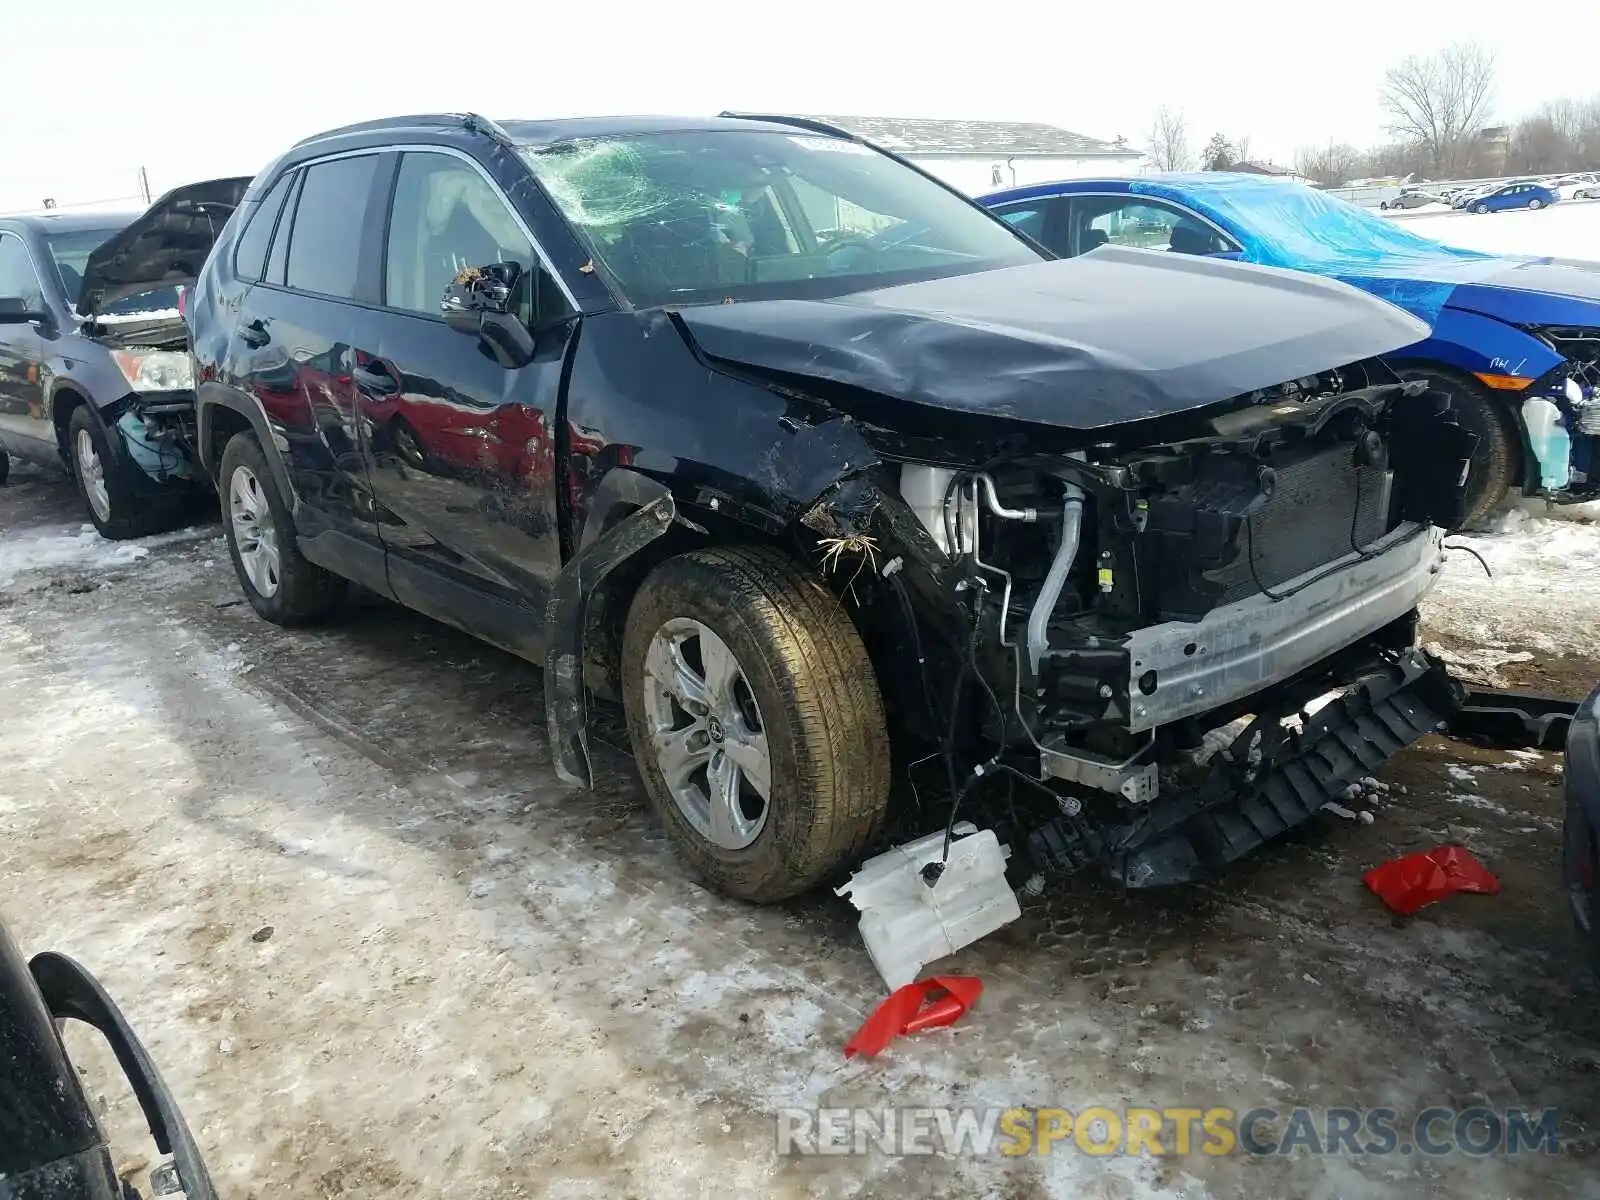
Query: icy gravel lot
[380,951]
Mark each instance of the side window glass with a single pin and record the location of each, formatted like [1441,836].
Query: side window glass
[446,217]
[250,252]
[17,277]
[325,242]
[278,257]
[1038,218]
[1148,225]
[1027,216]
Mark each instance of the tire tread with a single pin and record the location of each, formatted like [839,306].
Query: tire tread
[829,699]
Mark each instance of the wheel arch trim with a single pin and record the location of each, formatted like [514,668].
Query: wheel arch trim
[211,396]
[606,544]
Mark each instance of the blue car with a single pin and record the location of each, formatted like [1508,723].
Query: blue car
[1515,343]
[1508,196]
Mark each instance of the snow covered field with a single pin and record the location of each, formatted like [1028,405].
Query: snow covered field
[1570,229]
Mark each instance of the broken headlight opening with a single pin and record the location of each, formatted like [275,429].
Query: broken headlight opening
[1155,651]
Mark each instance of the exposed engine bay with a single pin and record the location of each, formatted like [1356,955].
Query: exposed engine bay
[1564,424]
[1155,650]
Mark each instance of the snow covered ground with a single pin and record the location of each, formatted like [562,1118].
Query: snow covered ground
[1570,229]
[380,952]
[1532,600]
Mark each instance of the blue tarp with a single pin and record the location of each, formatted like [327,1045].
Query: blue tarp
[1282,224]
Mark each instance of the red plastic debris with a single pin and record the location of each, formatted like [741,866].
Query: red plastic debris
[926,1004]
[1407,883]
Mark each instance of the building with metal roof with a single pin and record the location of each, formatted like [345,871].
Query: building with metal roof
[978,156]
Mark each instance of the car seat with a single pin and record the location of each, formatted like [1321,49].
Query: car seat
[1186,239]
[1093,238]
[673,247]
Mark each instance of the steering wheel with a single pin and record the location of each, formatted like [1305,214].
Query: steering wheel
[852,242]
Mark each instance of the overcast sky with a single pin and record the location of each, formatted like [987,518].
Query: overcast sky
[192,89]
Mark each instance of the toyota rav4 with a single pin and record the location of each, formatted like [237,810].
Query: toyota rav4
[802,455]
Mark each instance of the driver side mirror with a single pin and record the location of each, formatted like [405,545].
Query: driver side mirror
[479,301]
[15,311]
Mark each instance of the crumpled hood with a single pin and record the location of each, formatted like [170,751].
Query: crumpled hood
[166,246]
[1113,336]
[1535,291]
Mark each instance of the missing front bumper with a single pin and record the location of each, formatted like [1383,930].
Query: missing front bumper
[1195,667]
[1269,781]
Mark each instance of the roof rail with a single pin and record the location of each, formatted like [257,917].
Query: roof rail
[469,121]
[810,123]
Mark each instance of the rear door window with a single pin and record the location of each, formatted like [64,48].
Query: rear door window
[326,239]
[1040,218]
[1142,223]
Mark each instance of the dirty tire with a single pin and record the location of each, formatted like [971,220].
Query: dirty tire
[1499,451]
[306,593]
[1480,209]
[819,705]
[1535,205]
[130,515]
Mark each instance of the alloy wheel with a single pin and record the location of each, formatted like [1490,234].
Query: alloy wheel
[255,537]
[707,734]
[93,474]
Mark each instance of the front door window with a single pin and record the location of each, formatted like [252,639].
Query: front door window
[1144,224]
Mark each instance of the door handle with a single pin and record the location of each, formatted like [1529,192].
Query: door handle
[255,334]
[375,380]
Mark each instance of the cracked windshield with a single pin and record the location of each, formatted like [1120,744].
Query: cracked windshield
[681,218]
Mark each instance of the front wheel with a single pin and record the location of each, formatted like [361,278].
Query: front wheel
[1499,449]
[756,720]
[1535,203]
[1480,209]
[281,584]
[104,477]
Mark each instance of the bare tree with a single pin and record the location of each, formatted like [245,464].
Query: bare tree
[1242,151]
[1539,145]
[1169,142]
[1327,166]
[1440,102]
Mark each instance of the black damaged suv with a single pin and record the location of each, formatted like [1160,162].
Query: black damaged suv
[798,452]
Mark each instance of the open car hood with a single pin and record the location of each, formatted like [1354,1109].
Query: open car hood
[1110,337]
[166,246]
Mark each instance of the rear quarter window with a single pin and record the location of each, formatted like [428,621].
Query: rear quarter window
[250,252]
